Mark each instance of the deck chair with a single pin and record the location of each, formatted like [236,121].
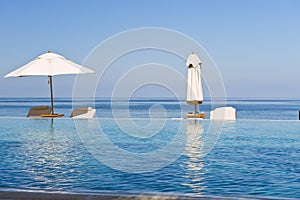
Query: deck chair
[37,111]
[83,113]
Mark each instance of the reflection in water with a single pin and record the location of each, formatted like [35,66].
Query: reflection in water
[193,163]
[47,156]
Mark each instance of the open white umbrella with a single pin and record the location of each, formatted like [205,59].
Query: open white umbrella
[49,64]
[194,88]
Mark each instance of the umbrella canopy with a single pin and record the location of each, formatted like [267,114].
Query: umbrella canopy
[194,89]
[49,64]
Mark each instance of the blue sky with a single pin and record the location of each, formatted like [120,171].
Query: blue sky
[255,43]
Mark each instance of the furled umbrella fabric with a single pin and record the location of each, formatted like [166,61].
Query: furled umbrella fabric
[194,86]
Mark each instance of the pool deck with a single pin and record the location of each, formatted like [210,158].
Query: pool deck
[21,195]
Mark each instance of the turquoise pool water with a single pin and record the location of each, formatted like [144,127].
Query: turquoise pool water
[256,158]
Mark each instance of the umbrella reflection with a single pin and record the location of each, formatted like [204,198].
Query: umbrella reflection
[48,155]
[193,163]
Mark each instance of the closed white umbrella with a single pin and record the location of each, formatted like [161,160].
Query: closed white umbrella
[49,64]
[194,88]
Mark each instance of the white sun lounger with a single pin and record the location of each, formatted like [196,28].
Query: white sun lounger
[83,113]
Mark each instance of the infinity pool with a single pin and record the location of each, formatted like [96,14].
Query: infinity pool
[256,158]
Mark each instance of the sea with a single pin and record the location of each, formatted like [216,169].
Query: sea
[147,146]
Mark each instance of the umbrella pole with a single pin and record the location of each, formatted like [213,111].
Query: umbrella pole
[51,93]
[195,108]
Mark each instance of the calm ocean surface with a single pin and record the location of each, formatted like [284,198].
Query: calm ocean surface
[246,108]
[256,156]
